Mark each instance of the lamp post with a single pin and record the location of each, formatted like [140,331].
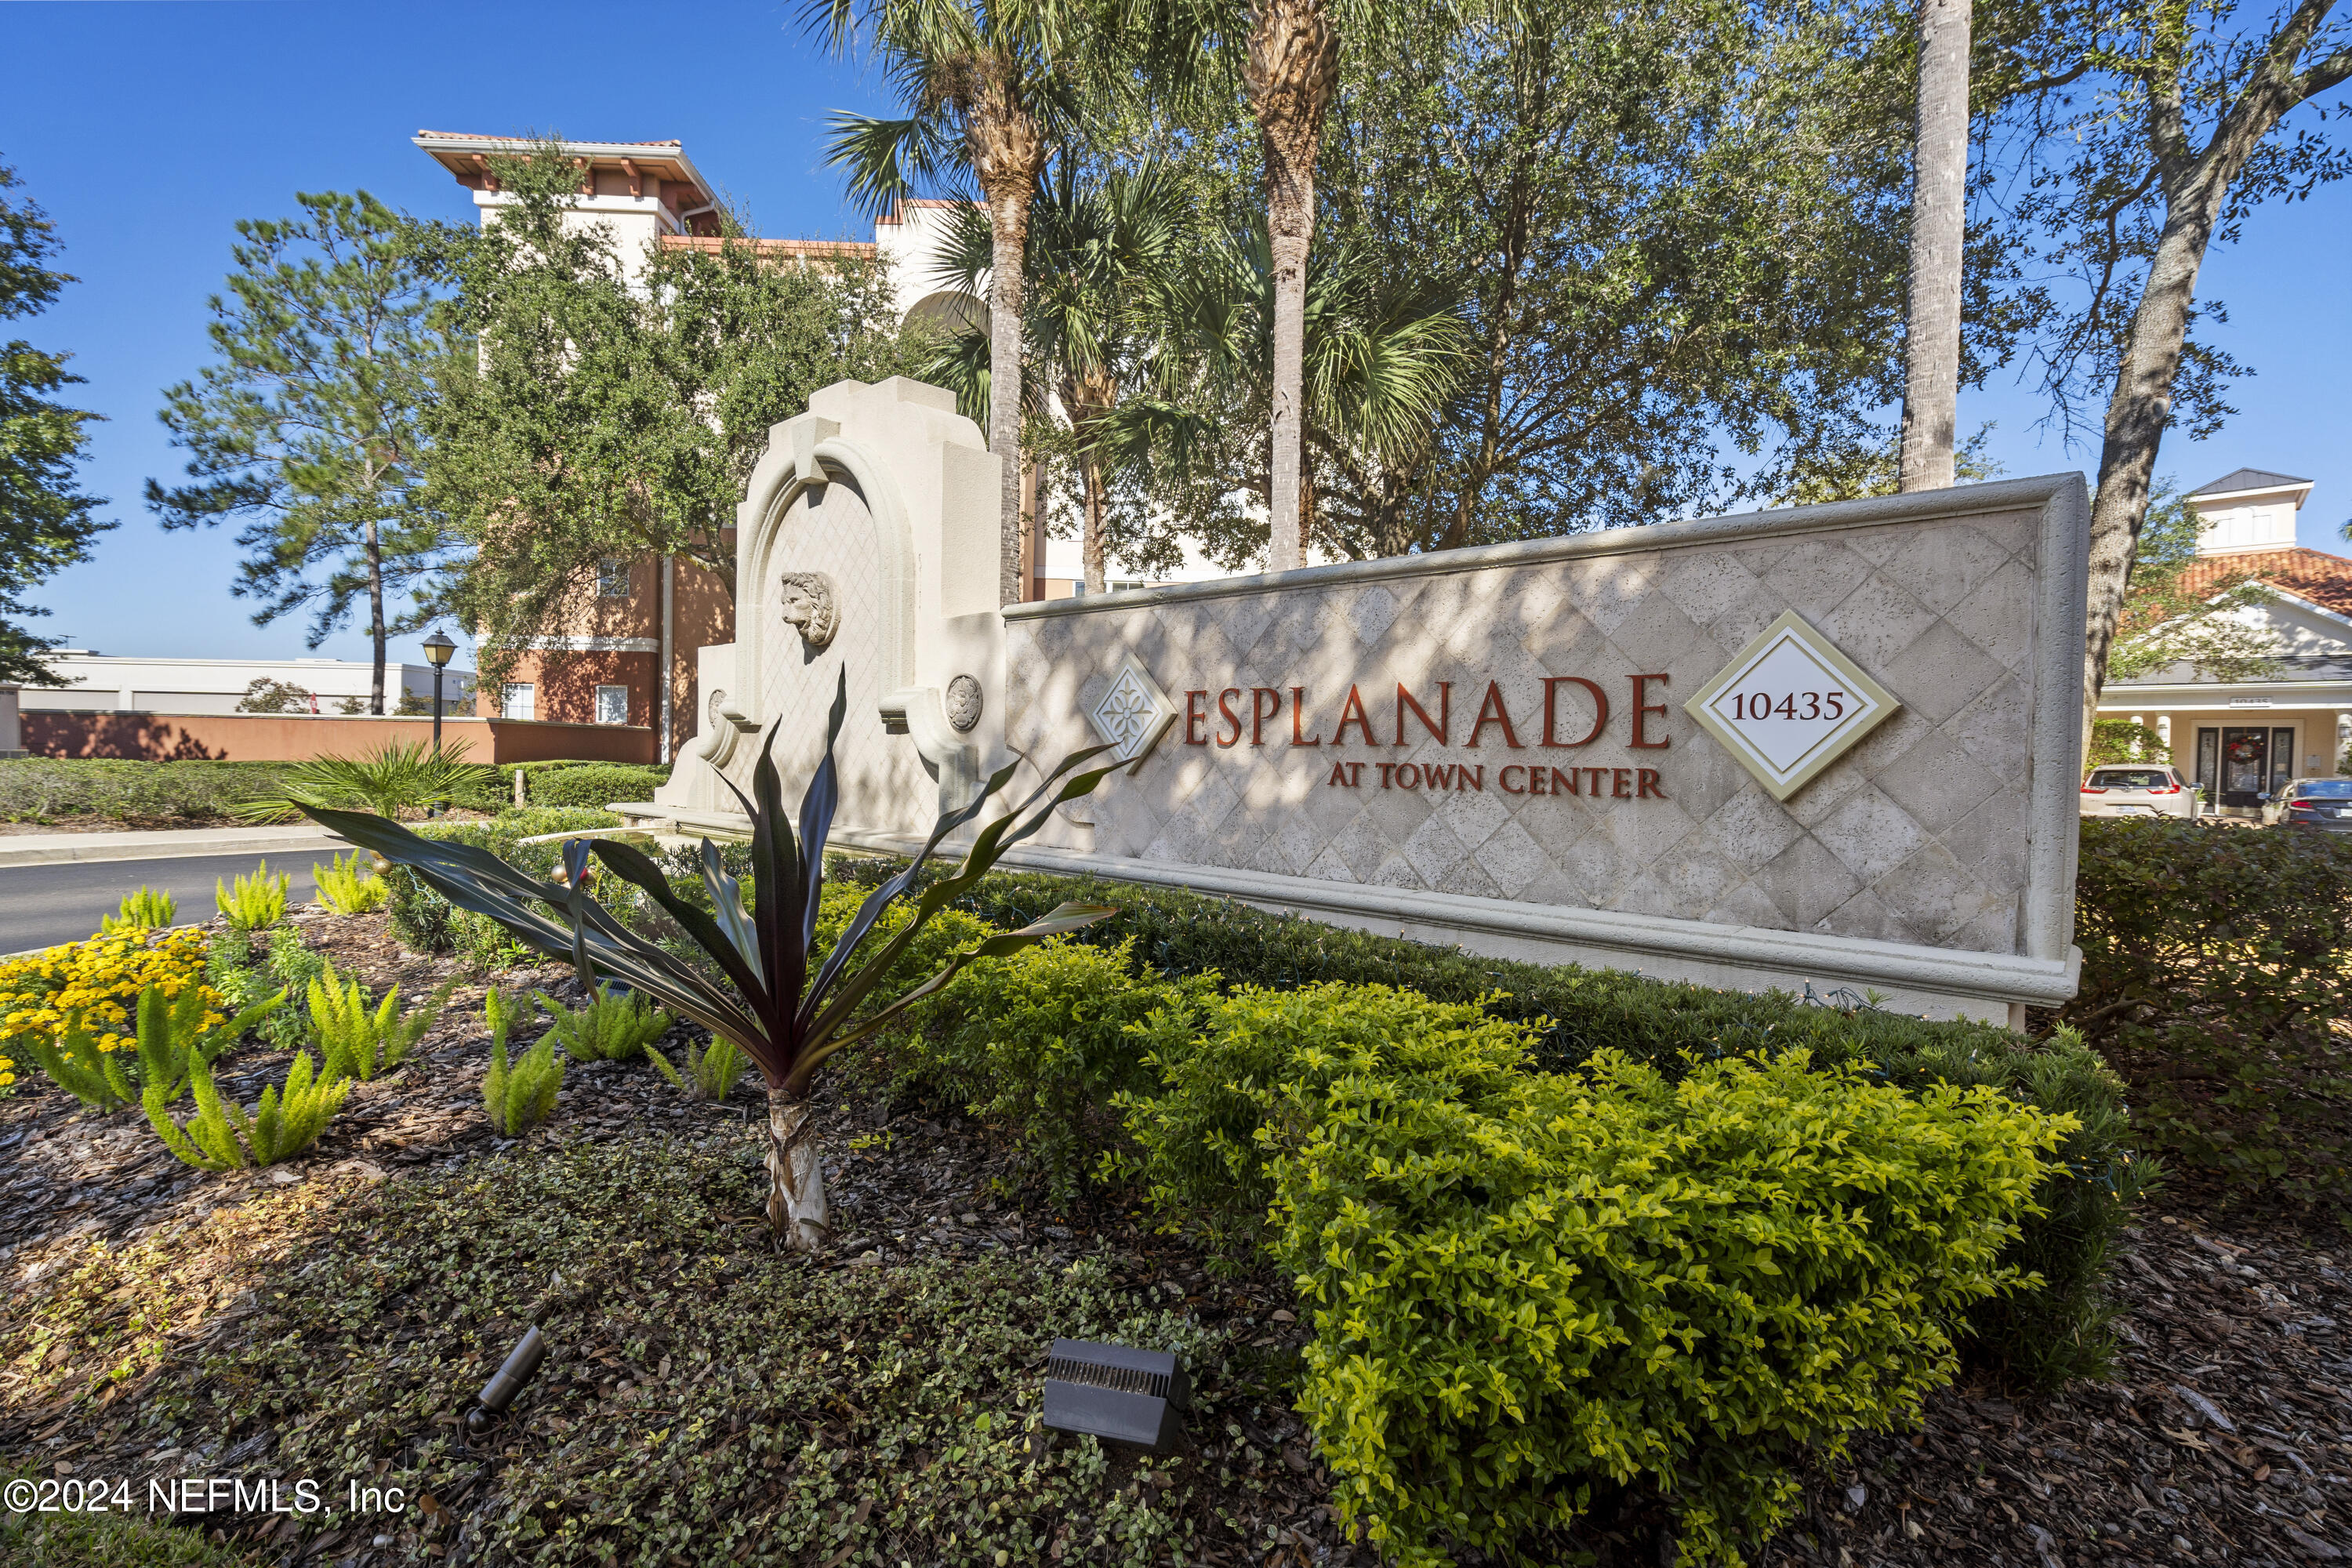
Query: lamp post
[437,649]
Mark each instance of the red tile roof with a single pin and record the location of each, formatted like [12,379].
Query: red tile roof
[2312,574]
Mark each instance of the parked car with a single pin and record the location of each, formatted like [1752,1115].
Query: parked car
[2311,803]
[2139,789]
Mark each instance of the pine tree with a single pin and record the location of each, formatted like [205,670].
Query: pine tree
[46,521]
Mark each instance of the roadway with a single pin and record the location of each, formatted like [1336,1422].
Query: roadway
[41,906]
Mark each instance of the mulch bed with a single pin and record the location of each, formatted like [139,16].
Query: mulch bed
[2226,1437]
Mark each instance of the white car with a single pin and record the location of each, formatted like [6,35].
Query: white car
[2139,789]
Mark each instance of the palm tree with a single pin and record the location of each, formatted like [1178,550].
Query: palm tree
[1380,358]
[989,89]
[1292,70]
[1099,254]
[1940,179]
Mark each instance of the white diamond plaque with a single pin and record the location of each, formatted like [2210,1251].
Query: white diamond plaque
[1791,705]
[1132,713]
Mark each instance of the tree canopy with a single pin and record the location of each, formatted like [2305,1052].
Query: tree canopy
[618,403]
[310,428]
[46,523]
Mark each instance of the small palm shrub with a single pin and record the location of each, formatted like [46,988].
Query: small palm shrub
[616,1026]
[520,1097]
[401,775]
[256,902]
[145,910]
[711,1071]
[222,1137]
[346,887]
[358,1041]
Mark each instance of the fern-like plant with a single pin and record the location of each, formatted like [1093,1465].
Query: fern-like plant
[401,775]
[146,910]
[710,1072]
[169,1035]
[520,1097]
[357,1041]
[222,1137]
[255,901]
[347,889]
[618,1025]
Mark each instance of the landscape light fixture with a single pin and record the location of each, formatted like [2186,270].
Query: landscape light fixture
[1116,1392]
[437,649]
[506,1382]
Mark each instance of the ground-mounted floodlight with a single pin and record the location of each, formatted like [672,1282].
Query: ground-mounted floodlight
[1116,1392]
[506,1382]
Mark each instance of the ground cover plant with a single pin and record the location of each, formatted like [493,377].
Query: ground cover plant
[2217,976]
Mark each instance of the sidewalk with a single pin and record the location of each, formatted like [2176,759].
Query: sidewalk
[170,844]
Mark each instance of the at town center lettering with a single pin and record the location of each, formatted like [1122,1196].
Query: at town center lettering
[1575,713]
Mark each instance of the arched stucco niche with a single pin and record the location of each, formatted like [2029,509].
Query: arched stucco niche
[885,495]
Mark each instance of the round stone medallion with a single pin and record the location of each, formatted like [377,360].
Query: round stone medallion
[963,703]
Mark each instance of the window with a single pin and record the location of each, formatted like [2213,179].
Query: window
[517,700]
[612,578]
[611,705]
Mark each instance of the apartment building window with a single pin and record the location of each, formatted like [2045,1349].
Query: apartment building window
[517,700]
[612,578]
[611,705]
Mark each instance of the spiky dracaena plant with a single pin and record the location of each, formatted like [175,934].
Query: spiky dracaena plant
[782,1011]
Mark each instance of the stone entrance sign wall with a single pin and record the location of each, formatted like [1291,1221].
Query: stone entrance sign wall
[1494,747]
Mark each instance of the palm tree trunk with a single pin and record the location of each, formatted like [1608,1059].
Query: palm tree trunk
[1092,550]
[375,615]
[1009,224]
[1939,197]
[797,1212]
[1291,71]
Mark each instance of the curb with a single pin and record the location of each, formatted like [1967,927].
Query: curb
[60,849]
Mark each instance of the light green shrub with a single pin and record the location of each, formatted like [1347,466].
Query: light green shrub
[613,1027]
[1528,1286]
[358,1041]
[168,1033]
[711,1072]
[1039,1043]
[145,910]
[518,1098]
[347,889]
[222,1137]
[256,901]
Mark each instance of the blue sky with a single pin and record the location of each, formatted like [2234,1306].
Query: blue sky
[147,129]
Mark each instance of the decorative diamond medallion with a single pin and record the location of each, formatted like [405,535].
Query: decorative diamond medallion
[1791,705]
[1133,715]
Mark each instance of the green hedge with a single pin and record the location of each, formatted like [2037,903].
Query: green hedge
[2046,1338]
[1528,1288]
[425,921]
[160,794]
[595,784]
[2216,972]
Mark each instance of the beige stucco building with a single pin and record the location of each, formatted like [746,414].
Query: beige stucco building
[2241,739]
